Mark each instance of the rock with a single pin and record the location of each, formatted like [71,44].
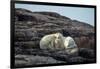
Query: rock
[86,53]
[30,27]
[39,24]
[37,57]
[18,50]
[76,60]
[27,60]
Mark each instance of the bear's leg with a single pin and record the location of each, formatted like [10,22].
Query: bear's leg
[51,45]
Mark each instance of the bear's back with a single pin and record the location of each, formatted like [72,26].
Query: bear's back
[45,42]
[69,42]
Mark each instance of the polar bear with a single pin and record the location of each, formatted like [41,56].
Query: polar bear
[70,45]
[58,42]
[52,41]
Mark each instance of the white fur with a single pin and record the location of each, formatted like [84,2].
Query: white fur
[58,41]
[70,45]
[52,41]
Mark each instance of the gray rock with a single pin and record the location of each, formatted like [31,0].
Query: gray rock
[86,53]
[26,60]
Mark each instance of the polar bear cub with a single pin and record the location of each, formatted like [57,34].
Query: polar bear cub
[70,45]
[52,41]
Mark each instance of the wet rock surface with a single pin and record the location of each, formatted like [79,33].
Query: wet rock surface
[30,27]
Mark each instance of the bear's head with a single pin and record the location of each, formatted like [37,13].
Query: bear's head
[58,35]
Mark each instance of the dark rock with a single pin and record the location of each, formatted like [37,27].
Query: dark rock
[43,23]
[26,60]
[76,60]
[18,50]
[86,53]
[30,27]
[38,56]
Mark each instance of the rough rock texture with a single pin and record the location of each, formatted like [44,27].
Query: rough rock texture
[34,57]
[30,27]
